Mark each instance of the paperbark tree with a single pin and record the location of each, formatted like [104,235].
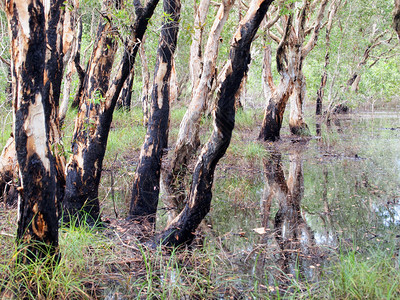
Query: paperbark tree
[296,48]
[71,49]
[195,65]
[146,183]
[188,138]
[146,84]
[182,228]
[8,172]
[93,125]
[36,50]
[81,192]
[320,93]
[277,95]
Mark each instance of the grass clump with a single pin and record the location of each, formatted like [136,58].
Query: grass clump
[363,276]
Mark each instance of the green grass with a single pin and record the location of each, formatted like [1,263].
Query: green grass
[374,275]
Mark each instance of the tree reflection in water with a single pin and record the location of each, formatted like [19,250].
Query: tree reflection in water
[290,252]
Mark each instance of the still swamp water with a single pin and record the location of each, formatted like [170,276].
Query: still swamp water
[287,216]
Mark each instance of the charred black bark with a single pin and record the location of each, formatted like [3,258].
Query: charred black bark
[84,170]
[125,97]
[272,123]
[146,183]
[182,228]
[35,57]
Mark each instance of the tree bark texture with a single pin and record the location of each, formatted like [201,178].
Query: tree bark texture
[146,183]
[297,123]
[182,228]
[82,180]
[146,84]
[73,33]
[8,172]
[36,51]
[93,125]
[278,95]
[296,48]
[125,97]
[197,40]
[188,138]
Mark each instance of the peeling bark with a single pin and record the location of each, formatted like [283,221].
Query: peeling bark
[195,65]
[181,229]
[82,180]
[188,138]
[36,50]
[297,123]
[85,166]
[146,183]
[8,172]
[292,56]
[146,84]
[278,95]
[73,30]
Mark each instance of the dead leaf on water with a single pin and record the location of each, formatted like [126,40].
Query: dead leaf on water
[260,230]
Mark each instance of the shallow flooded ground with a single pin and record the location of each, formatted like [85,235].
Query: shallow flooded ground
[315,217]
[285,217]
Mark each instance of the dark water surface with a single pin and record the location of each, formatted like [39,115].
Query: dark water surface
[288,214]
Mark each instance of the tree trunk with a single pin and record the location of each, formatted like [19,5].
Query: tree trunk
[82,180]
[182,228]
[188,138]
[320,93]
[91,132]
[8,172]
[278,96]
[396,17]
[125,97]
[74,28]
[240,97]
[195,65]
[146,85]
[36,51]
[297,123]
[146,184]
